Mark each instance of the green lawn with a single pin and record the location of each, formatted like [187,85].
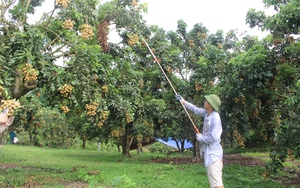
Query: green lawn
[48,167]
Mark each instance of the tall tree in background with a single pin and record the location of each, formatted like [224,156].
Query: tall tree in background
[284,82]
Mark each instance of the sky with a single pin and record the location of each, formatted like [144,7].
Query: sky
[213,14]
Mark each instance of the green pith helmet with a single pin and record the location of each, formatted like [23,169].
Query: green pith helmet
[214,101]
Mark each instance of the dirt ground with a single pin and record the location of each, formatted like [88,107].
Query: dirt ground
[291,179]
[228,159]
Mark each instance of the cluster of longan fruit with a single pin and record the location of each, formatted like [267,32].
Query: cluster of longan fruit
[255,113]
[239,139]
[1,90]
[86,31]
[64,3]
[29,72]
[65,109]
[128,118]
[240,100]
[219,45]
[134,3]
[277,41]
[12,105]
[198,87]
[191,43]
[139,138]
[169,69]
[95,76]
[202,35]
[115,133]
[68,24]
[104,88]
[104,116]
[66,90]
[141,83]
[133,40]
[91,109]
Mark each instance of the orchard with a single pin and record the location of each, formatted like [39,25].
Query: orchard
[64,67]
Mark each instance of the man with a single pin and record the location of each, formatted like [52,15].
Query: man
[210,138]
[12,136]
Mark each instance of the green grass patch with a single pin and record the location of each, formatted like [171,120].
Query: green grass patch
[48,167]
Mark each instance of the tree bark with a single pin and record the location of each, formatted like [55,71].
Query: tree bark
[3,137]
[197,156]
[128,143]
[83,142]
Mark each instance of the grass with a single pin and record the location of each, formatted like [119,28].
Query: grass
[49,167]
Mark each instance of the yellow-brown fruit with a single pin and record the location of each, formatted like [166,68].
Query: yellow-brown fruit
[128,118]
[12,105]
[255,113]
[239,138]
[139,138]
[100,124]
[169,69]
[104,115]
[198,87]
[115,133]
[153,50]
[86,31]
[277,41]
[25,68]
[191,43]
[66,90]
[237,100]
[134,3]
[160,121]
[193,60]
[141,83]
[132,40]
[30,74]
[68,24]
[219,45]
[104,88]
[91,109]
[1,90]
[64,3]
[65,109]
[290,151]
[243,99]
[95,77]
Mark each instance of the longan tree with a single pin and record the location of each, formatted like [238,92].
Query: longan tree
[283,86]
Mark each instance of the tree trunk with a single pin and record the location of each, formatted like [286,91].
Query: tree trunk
[182,145]
[197,156]
[128,143]
[3,137]
[30,137]
[83,142]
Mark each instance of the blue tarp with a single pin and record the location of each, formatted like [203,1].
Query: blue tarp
[172,143]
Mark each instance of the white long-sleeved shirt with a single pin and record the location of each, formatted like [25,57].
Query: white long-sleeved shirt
[211,134]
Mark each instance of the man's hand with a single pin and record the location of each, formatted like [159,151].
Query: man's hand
[179,97]
[3,118]
[199,137]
